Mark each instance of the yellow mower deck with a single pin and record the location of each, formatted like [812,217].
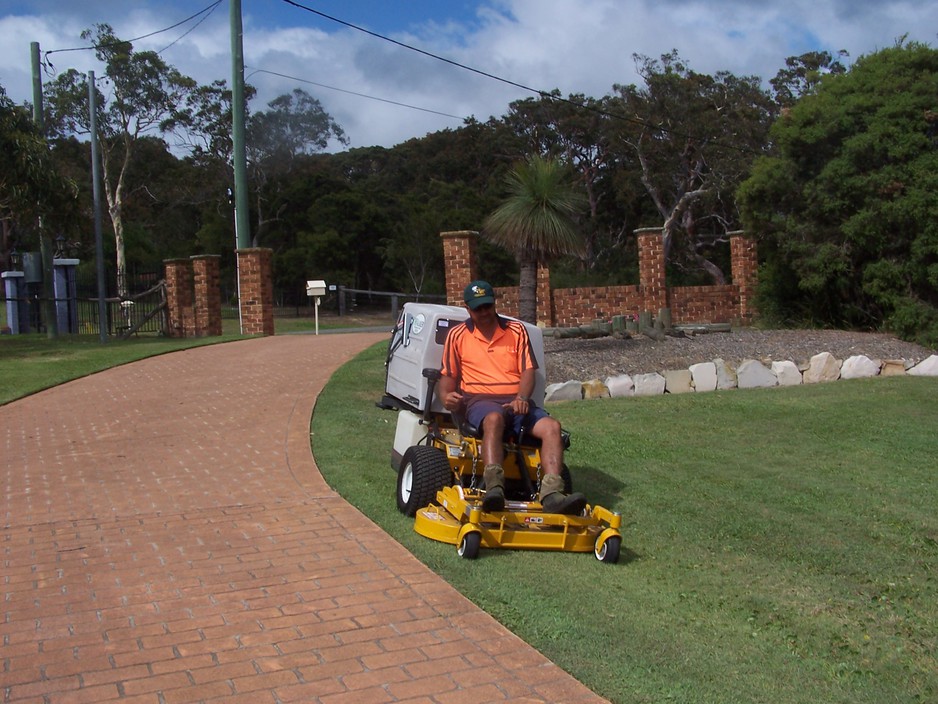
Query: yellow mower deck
[457,518]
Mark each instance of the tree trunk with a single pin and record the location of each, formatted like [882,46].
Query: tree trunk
[527,289]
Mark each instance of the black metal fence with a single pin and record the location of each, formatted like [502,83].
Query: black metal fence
[80,314]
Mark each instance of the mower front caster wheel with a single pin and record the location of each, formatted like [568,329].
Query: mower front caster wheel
[469,545]
[609,551]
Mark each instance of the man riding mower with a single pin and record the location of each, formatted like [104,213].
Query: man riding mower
[483,469]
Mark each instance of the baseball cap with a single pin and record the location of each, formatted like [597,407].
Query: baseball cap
[478,293]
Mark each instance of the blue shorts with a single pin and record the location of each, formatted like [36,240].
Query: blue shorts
[477,407]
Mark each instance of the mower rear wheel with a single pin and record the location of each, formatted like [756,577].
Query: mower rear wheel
[609,551]
[469,545]
[424,471]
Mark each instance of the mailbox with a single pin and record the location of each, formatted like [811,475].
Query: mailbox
[316,288]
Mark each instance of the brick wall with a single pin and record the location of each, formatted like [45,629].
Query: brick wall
[459,262]
[207,289]
[255,276]
[193,296]
[577,306]
[180,295]
[704,304]
[745,273]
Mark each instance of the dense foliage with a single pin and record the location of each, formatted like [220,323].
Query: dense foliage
[841,191]
[848,205]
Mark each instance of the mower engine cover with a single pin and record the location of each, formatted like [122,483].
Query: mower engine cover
[417,344]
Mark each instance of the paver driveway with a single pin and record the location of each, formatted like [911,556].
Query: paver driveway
[165,536]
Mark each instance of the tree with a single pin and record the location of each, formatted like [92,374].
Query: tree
[847,207]
[146,96]
[695,137]
[295,125]
[802,75]
[536,222]
[30,184]
[574,129]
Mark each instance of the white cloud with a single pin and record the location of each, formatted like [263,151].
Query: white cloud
[578,46]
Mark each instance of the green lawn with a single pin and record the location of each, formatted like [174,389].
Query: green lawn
[779,546]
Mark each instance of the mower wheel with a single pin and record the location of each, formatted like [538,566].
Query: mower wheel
[609,550]
[424,471]
[469,545]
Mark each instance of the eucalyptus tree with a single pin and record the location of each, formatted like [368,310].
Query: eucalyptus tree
[694,137]
[294,125]
[802,75]
[141,96]
[537,222]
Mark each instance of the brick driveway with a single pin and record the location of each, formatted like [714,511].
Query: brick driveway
[165,536]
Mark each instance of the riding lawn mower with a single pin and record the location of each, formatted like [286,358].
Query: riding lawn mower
[438,457]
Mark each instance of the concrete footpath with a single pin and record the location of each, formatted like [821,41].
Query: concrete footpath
[165,536]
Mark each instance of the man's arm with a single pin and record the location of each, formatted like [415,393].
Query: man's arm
[448,393]
[521,404]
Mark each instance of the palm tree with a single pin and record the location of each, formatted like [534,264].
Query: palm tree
[535,222]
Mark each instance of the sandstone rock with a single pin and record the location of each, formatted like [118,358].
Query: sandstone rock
[787,373]
[858,367]
[704,376]
[594,388]
[893,367]
[678,381]
[567,391]
[823,367]
[753,374]
[927,368]
[620,386]
[726,375]
[649,384]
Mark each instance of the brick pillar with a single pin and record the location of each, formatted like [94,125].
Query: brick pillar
[745,270]
[651,269]
[459,263]
[179,295]
[255,278]
[545,301]
[207,301]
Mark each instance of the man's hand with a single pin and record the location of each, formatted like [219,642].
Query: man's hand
[452,401]
[519,406]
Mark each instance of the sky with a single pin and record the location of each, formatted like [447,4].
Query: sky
[382,93]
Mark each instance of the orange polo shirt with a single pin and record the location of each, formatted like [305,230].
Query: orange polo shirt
[482,366]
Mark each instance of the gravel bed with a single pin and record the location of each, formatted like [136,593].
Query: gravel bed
[583,359]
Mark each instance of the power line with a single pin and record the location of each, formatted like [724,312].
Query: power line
[419,51]
[182,36]
[206,11]
[351,92]
[537,91]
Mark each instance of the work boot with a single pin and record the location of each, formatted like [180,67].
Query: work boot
[553,500]
[494,477]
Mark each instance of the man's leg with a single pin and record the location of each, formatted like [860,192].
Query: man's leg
[547,430]
[493,454]
[493,431]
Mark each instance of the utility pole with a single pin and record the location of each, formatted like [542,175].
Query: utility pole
[45,245]
[239,154]
[96,197]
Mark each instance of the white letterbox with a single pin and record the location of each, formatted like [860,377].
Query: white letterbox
[316,288]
